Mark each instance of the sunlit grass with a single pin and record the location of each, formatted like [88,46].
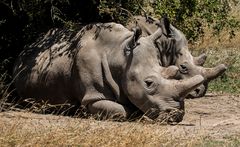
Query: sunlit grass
[47,130]
[229,82]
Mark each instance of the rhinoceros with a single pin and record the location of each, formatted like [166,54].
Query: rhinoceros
[104,67]
[174,51]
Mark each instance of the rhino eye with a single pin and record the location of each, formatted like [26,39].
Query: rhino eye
[183,69]
[149,83]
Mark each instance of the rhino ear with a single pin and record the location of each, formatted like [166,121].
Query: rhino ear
[165,25]
[137,32]
[132,43]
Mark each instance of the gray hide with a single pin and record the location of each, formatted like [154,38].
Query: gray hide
[173,48]
[104,67]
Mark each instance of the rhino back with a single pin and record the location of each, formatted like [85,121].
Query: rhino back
[44,69]
[48,69]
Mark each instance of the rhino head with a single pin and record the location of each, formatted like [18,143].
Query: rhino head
[173,48]
[147,84]
[190,66]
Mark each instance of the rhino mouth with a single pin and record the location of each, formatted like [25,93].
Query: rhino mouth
[170,116]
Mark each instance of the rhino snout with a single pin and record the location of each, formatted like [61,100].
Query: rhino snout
[175,116]
[171,112]
[199,91]
[171,116]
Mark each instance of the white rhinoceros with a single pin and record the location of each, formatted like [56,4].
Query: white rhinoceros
[104,67]
[173,50]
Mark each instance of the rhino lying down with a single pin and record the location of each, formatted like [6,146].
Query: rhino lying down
[174,51]
[106,68]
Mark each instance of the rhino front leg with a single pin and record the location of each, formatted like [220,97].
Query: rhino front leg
[107,109]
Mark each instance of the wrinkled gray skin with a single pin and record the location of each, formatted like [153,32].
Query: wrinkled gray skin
[174,51]
[104,67]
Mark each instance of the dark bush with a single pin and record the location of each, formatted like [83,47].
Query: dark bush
[22,21]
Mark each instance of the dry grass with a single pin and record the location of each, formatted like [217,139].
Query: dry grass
[229,82]
[27,129]
[216,42]
[222,50]
[223,40]
[207,123]
[68,131]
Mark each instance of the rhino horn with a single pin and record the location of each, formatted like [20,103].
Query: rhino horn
[170,72]
[212,73]
[184,87]
[200,60]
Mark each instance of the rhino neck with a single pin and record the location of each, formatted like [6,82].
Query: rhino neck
[115,41]
[148,26]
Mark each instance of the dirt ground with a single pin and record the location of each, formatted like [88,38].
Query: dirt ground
[215,115]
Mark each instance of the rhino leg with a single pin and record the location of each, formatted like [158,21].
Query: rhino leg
[108,110]
[93,68]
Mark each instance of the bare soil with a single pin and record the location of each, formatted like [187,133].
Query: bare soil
[214,116]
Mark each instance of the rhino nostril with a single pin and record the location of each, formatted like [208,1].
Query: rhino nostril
[197,91]
[183,69]
[183,66]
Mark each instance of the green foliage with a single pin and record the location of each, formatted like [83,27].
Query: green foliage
[191,16]
[119,10]
[231,141]
[229,82]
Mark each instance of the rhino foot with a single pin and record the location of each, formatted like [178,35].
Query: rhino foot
[108,110]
